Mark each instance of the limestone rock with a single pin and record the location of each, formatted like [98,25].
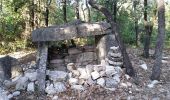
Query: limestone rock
[110,70]
[98,68]
[81,81]
[75,73]
[83,73]
[115,55]
[89,69]
[30,87]
[59,87]
[111,83]
[9,84]
[101,81]
[102,73]
[95,75]
[57,75]
[16,93]
[90,81]
[73,81]
[71,66]
[10,96]
[21,83]
[50,89]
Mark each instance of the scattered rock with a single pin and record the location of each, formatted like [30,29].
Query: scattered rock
[16,93]
[30,87]
[95,75]
[59,87]
[153,83]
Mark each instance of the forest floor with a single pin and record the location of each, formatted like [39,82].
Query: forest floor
[127,90]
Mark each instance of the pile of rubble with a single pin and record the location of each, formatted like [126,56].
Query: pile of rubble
[107,75]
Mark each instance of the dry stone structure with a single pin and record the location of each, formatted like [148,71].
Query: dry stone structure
[75,29]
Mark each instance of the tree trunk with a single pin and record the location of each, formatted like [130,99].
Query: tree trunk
[89,16]
[127,63]
[77,9]
[156,71]
[65,11]
[47,12]
[115,10]
[136,22]
[148,31]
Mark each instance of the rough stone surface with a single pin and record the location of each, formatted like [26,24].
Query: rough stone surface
[75,73]
[30,87]
[71,66]
[87,56]
[59,87]
[83,73]
[101,81]
[22,83]
[95,75]
[16,93]
[10,96]
[32,76]
[57,75]
[110,70]
[50,89]
[73,81]
[111,83]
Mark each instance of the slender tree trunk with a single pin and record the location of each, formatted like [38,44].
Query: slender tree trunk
[115,10]
[47,12]
[32,15]
[77,9]
[156,71]
[127,63]
[65,11]
[136,23]
[88,8]
[148,32]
